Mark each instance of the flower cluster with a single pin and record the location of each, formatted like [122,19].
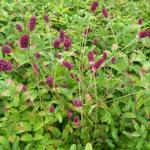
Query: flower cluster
[94,6]
[75,118]
[46,18]
[49,80]
[67,64]
[140,21]
[145,33]
[5,66]
[77,102]
[32,23]
[6,49]
[97,64]
[63,39]
[19,27]
[105,12]
[73,76]
[24,41]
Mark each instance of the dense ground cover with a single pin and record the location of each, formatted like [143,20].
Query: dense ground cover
[74,75]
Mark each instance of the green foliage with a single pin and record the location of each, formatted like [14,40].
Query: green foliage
[115,109]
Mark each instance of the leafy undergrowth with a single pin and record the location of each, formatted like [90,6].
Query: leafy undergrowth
[74,75]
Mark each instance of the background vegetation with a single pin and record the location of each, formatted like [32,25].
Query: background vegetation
[114,103]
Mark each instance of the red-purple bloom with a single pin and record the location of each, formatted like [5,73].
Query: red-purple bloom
[91,57]
[105,12]
[145,33]
[140,21]
[77,102]
[67,64]
[67,42]
[36,69]
[5,66]
[75,119]
[46,18]
[49,80]
[52,108]
[77,79]
[94,42]
[37,55]
[72,75]
[6,49]
[113,60]
[19,27]
[24,41]
[99,62]
[57,43]
[94,6]
[69,114]
[32,23]
[62,35]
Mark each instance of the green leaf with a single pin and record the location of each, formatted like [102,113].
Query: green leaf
[26,137]
[22,127]
[16,100]
[37,126]
[128,115]
[88,146]
[59,117]
[115,134]
[73,147]
[55,131]
[4,142]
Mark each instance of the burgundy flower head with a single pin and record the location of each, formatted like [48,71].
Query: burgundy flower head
[105,12]
[77,79]
[52,108]
[67,42]
[70,114]
[145,33]
[113,60]
[32,23]
[49,80]
[77,102]
[94,6]
[37,55]
[46,18]
[99,62]
[5,66]
[62,35]
[6,49]
[72,75]
[95,41]
[24,41]
[19,27]
[75,119]
[67,64]
[57,43]
[140,21]
[91,57]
